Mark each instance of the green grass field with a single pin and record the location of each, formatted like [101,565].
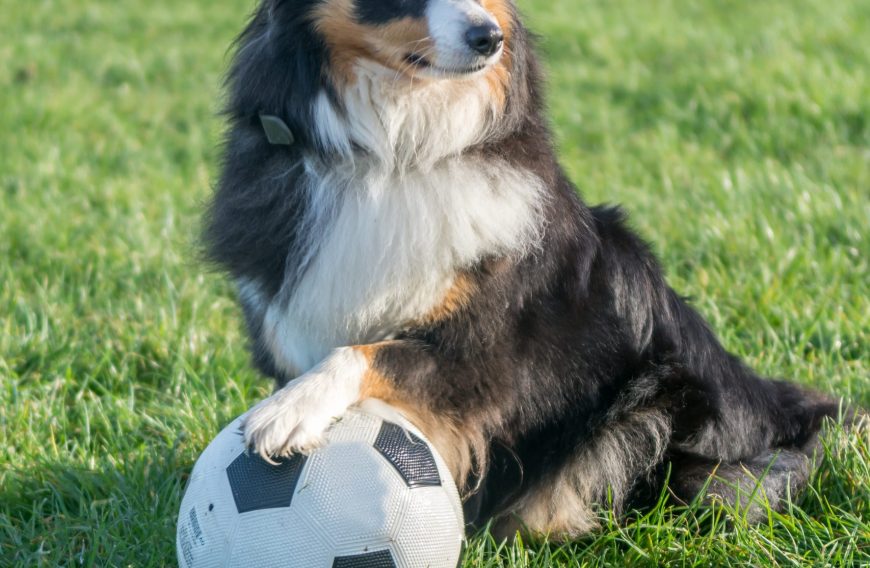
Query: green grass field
[736,132]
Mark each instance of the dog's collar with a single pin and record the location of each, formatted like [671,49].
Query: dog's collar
[277,131]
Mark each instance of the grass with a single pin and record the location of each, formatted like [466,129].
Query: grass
[735,132]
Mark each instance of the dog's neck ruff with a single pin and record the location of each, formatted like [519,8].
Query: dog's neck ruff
[383,249]
[401,123]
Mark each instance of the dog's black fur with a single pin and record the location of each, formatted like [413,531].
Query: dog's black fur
[583,373]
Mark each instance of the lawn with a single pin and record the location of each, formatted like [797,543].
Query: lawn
[737,133]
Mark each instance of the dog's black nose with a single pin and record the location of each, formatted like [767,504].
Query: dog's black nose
[485,39]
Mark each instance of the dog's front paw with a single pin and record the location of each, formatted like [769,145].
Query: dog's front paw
[286,423]
[292,420]
[296,417]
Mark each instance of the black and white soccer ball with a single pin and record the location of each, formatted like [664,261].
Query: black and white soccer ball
[375,495]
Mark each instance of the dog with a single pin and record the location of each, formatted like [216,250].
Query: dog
[393,214]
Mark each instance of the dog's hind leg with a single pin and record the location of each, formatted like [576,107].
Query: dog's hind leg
[599,469]
[745,440]
[752,485]
[756,448]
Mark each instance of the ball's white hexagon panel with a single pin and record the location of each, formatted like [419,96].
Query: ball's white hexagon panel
[206,521]
[348,490]
[430,535]
[354,425]
[278,537]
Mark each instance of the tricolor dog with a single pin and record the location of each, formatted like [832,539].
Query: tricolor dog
[394,216]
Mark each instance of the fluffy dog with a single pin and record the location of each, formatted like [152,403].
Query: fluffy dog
[393,213]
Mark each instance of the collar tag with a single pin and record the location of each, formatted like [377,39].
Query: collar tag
[277,131]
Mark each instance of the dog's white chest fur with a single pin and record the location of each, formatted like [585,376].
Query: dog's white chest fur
[386,248]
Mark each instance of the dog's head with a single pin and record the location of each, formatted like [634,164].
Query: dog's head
[334,70]
[415,38]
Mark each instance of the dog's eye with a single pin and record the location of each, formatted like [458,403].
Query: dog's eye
[382,11]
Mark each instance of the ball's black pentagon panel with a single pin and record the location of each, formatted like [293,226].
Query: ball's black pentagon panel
[410,455]
[379,559]
[257,484]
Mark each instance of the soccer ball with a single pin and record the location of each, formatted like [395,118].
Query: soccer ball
[375,495]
